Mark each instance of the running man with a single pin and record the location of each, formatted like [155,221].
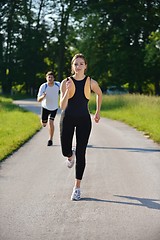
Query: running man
[48,96]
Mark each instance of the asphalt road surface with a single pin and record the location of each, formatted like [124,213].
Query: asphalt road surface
[120,188]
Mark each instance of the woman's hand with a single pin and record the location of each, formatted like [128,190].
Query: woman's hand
[97,117]
[68,84]
[95,88]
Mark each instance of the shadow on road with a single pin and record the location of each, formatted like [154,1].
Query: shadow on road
[143,202]
[125,148]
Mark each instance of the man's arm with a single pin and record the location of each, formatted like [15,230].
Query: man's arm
[40,98]
[41,93]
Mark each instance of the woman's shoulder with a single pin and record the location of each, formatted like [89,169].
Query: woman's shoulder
[92,80]
[63,83]
[65,79]
[94,84]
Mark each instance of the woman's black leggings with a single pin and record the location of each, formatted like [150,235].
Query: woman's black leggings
[82,127]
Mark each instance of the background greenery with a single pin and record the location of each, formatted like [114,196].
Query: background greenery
[120,39]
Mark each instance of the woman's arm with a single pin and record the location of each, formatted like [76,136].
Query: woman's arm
[96,89]
[64,92]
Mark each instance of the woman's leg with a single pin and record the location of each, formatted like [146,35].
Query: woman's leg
[66,135]
[83,130]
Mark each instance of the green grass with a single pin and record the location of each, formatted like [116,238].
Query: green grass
[141,112]
[16,126]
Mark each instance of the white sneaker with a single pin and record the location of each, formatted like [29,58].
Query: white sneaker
[70,162]
[76,194]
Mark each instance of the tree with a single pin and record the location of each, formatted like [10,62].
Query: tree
[63,31]
[25,36]
[115,35]
[9,27]
[152,60]
[37,36]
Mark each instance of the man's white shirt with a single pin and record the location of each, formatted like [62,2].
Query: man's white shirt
[50,102]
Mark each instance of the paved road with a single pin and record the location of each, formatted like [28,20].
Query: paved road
[120,189]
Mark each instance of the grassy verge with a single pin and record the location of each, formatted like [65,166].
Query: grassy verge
[16,126]
[141,112]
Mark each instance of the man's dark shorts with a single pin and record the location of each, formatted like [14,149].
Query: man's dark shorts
[45,113]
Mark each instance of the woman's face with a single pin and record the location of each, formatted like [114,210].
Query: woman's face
[79,65]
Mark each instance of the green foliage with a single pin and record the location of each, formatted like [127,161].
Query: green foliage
[114,44]
[152,60]
[153,50]
[118,38]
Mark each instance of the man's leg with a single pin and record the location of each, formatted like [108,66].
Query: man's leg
[51,126]
[44,117]
[51,129]
[44,123]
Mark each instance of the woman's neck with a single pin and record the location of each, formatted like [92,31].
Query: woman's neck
[79,76]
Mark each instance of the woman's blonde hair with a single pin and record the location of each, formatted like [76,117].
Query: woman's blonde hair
[78,55]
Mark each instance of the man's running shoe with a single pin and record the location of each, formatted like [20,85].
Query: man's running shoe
[50,143]
[76,194]
[70,162]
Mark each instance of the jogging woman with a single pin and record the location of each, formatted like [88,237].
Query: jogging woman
[75,117]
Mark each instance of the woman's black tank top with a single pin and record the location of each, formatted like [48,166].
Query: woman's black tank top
[78,104]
